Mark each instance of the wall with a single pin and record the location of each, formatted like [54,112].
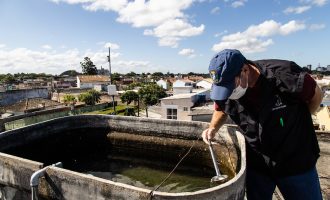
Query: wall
[202,118]
[178,104]
[182,90]
[32,118]
[13,96]
[323,118]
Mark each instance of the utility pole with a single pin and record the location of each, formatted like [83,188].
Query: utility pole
[113,96]
[109,60]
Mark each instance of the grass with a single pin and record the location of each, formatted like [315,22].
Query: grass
[120,109]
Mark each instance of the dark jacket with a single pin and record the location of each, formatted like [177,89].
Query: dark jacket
[276,123]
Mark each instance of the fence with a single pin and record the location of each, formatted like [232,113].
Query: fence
[51,115]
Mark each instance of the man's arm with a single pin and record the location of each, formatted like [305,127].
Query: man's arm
[316,100]
[218,119]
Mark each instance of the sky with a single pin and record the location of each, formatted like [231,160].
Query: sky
[176,36]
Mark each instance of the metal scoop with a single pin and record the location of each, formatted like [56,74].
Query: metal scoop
[218,177]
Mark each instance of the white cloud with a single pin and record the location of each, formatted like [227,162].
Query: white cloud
[172,31]
[215,10]
[46,46]
[296,10]
[113,46]
[238,3]
[256,37]
[169,42]
[141,13]
[187,52]
[320,2]
[307,5]
[2,46]
[155,15]
[31,61]
[220,34]
[315,2]
[291,27]
[315,27]
[94,5]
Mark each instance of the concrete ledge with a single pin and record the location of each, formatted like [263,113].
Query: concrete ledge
[16,171]
[66,184]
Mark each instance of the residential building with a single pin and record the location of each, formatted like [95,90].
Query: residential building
[205,83]
[90,81]
[323,118]
[163,83]
[179,106]
[182,86]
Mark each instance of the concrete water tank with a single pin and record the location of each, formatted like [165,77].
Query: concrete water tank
[28,149]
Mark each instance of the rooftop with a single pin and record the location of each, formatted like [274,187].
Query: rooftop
[93,78]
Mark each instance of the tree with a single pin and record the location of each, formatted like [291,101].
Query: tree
[150,95]
[157,75]
[69,99]
[131,74]
[90,98]
[70,73]
[8,79]
[116,76]
[127,98]
[88,67]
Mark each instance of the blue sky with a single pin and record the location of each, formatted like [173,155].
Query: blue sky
[178,36]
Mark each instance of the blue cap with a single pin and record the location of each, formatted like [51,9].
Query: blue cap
[224,67]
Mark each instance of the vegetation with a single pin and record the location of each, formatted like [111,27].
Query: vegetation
[128,97]
[150,95]
[19,77]
[132,86]
[70,73]
[7,79]
[88,67]
[115,76]
[120,110]
[90,98]
[131,74]
[69,99]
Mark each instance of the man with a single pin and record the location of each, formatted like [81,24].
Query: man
[271,101]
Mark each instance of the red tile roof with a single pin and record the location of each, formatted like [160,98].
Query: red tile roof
[93,78]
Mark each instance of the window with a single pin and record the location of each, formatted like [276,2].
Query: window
[185,108]
[172,113]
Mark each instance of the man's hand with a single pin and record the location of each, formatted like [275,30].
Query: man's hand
[218,119]
[208,134]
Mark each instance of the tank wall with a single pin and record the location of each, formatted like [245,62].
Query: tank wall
[61,183]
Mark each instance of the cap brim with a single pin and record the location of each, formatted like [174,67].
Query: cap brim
[221,92]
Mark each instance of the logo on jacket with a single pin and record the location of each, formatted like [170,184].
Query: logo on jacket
[278,103]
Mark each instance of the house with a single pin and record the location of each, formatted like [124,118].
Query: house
[323,118]
[179,106]
[205,83]
[163,83]
[2,88]
[91,81]
[195,78]
[182,86]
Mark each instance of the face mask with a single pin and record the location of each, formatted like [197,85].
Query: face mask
[239,91]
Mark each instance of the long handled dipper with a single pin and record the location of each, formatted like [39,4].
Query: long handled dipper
[218,177]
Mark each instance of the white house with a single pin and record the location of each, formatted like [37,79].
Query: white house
[163,83]
[205,83]
[179,107]
[183,83]
[90,81]
[182,86]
